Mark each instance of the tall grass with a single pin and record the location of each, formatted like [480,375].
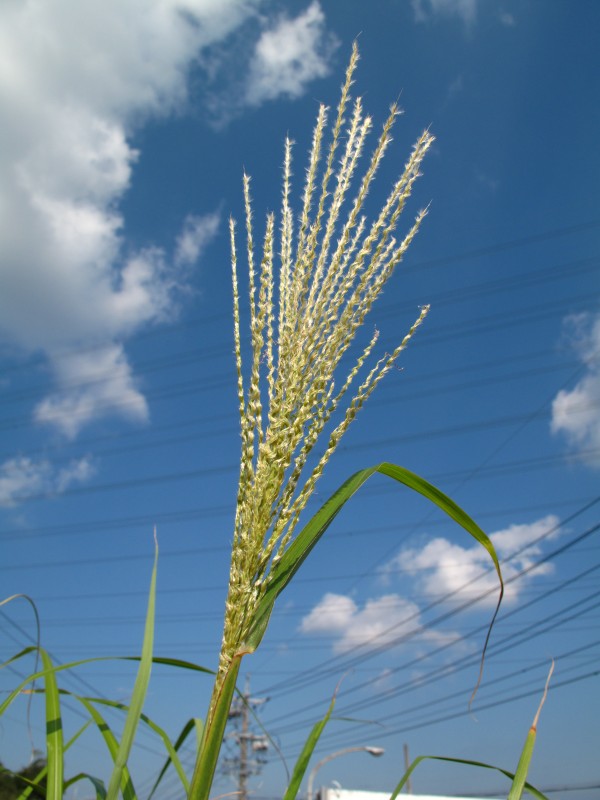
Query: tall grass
[310,290]
[311,285]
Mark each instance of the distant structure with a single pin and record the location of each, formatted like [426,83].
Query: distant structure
[245,747]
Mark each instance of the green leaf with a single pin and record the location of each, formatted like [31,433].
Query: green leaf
[113,746]
[531,789]
[139,690]
[97,783]
[171,749]
[42,773]
[190,725]
[31,785]
[284,570]
[54,733]
[304,758]
[519,780]
[172,662]
[213,732]
[520,776]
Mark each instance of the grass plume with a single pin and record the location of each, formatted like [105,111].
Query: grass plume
[309,294]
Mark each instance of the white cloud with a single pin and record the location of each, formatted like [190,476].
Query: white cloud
[289,55]
[76,79]
[91,384]
[442,567]
[22,477]
[428,9]
[196,233]
[380,622]
[576,413]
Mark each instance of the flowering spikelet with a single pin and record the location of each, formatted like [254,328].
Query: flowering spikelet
[325,288]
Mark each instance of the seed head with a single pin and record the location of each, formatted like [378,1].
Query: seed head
[305,312]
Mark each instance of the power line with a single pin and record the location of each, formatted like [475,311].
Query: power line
[437,702]
[483,707]
[195,355]
[443,333]
[498,247]
[453,430]
[108,525]
[509,642]
[520,465]
[337,664]
[206,420]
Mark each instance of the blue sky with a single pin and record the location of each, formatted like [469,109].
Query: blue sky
[126,128]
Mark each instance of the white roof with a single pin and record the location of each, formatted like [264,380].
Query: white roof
[329,793]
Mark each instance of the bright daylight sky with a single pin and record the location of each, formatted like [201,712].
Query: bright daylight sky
[126,125]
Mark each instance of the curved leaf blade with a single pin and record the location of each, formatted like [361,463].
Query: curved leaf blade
[303,759]
[531,789]
[54,732]
[112,745]
[213,732]
[291,560]
[44,771]
[170,748]
[139,689]
[189,726]
[96,782]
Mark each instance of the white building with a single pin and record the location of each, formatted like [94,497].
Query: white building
[329,793]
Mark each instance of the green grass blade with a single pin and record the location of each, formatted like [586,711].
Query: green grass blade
[54,733]
[304,758]
[531,789]
[189,726]
[97,783]
[20,654]
[72,664]
[212,735]
[291,560]
[33,784]
[519,781]
[172,662]
[139,690]
[44,771]
[112,745]
[34,677]
[170,748]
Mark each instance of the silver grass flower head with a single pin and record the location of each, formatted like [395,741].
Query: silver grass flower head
[309,293]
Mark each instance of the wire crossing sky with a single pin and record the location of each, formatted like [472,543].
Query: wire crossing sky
[127,127]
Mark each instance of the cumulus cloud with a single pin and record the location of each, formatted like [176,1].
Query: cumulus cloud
[91,384]
[576,412]
[288,55]
[21,478]
[425,10]
[380,622]
[76,80]
[441,567]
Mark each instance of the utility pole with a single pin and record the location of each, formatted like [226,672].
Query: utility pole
[248,748]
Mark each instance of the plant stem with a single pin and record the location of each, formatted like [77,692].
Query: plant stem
[214,729]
